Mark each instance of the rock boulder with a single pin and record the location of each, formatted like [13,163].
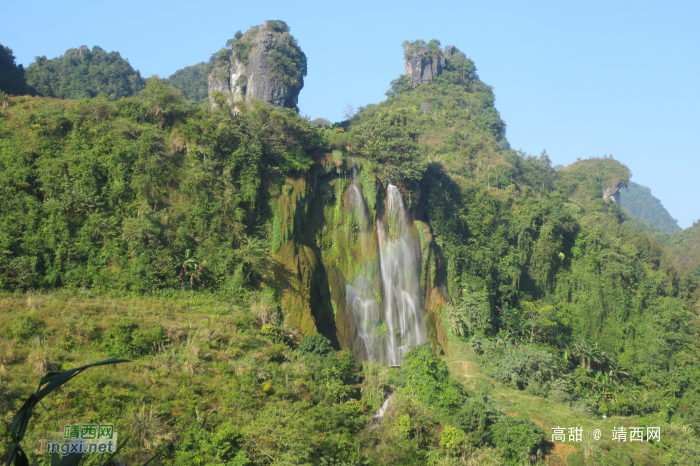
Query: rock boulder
[265,63]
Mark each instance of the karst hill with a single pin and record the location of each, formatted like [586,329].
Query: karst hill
[398,288]
[265,63]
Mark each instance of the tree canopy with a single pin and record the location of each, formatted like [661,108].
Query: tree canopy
[193,82]
[82,72]
[12,79]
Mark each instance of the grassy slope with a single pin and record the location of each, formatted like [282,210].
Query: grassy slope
[196,330]
[192,380]
[547,413]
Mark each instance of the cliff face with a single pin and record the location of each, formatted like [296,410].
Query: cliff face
[423,62]
[326,239]
[265,63]
[422,66]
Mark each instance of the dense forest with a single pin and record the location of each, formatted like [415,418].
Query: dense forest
[192,81]
[136,223]
[639,202]
[83,73]
[77,74]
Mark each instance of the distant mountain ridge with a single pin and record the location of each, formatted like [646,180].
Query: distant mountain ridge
[643,206]
[192,81]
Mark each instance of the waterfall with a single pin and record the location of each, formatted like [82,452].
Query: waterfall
[399,260]
[389,320]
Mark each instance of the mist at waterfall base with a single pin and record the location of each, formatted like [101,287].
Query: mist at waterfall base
[389,321]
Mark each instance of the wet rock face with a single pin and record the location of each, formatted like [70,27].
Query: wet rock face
[265,64]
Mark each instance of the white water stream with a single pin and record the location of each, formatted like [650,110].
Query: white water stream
[391,320]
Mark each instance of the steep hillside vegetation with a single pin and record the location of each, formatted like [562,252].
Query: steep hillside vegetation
[685,247]
[639,202]
[260,223]
[192,81]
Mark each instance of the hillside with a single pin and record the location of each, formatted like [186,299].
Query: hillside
[192,81]
[639,202]
[265,275]
[685,247]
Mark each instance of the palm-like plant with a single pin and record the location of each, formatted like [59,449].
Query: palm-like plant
[190,267]
[50,382]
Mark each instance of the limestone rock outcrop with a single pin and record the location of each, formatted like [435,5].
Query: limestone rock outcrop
[612,192]
[421,65]
[425,61]
[265,63]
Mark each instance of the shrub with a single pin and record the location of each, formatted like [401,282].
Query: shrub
[40,356]
[470,315]
[519,365]
[7,355]
[125,339]
[474,418]
[277,26]
[401,84]
[427,375]
[519,440]
[26,327]
[287,62]
[316,345]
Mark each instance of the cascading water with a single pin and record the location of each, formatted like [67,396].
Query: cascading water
[391,320]
[399,255]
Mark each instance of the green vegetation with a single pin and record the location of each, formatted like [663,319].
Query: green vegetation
[192,82]
[242,47]
[215,382]
[431,49]
[288,62]
[643,206]
[685,248]
[390,139]
[137,184]
[400,84]
[83,73]
[212,247]
[12,80]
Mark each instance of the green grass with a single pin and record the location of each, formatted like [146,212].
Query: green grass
[182,382]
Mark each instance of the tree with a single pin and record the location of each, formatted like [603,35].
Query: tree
[391,140]
[164,101]
[12,80]
[401,84]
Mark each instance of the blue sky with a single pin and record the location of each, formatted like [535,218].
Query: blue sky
[579,79]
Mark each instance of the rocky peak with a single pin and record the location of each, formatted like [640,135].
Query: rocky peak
[425,61]
[422,62]
[265,63]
